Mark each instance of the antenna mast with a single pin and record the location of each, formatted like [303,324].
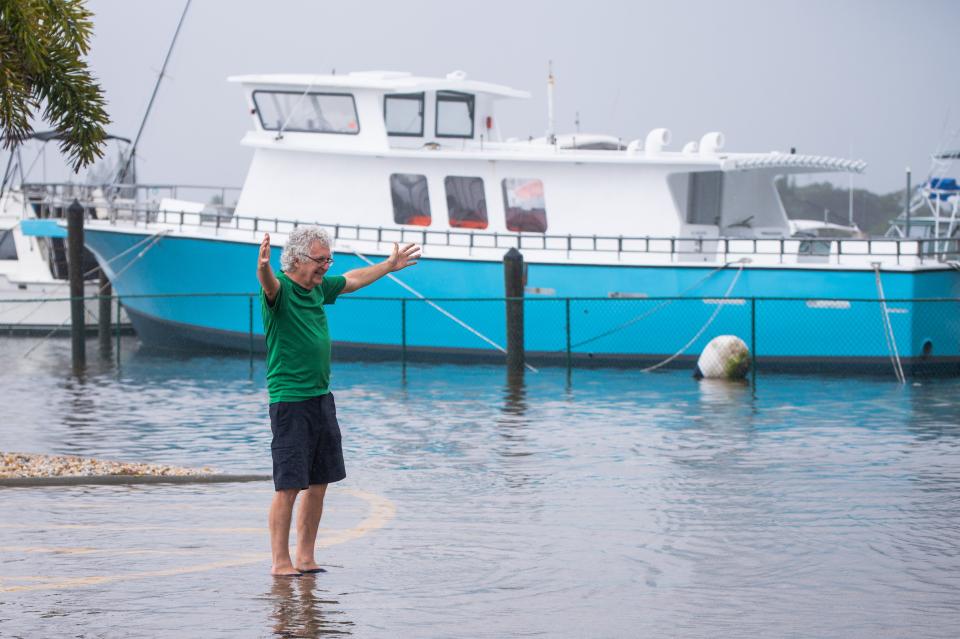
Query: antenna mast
[551,82]
[118,179]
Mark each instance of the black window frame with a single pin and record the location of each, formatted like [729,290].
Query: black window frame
[393,201]
[455,96]
[423,112]
[353,100]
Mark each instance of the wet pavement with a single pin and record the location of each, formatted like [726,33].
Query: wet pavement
[168,561]
[602,504]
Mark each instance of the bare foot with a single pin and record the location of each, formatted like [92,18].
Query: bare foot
[285,570]
[309,566]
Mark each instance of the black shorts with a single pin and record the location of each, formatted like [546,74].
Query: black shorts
[306,443]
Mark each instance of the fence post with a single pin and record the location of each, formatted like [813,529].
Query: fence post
[567,304]
[75,268]
[104,292]
[117,326]
[250,307]
[513,287]
[753,340]
[906,204]
[403,333]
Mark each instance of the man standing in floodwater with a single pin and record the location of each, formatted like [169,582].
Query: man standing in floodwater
[306,437]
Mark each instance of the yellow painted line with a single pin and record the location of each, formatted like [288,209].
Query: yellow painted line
[381,511]
[91,581]
[92,506]
[237,530]
[2,579]
[56,550]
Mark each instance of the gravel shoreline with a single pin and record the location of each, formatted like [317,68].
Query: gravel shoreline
[27,465]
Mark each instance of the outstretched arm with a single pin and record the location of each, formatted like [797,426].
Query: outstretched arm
[399,259]
[269,281]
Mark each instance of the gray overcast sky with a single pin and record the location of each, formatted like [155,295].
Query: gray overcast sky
[874,76]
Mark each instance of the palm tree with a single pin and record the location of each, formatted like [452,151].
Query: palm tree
[42,49]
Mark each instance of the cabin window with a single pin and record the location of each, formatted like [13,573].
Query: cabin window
[466,203]
[411,202]
[8,249]
[403,114]
[524,205]
[307,112]
[454,114]
[705,197]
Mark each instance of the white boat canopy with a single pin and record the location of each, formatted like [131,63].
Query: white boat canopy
[385,81]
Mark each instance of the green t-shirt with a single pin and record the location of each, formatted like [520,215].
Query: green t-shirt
[298,341]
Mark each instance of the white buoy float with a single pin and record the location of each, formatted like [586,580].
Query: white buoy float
[725,357]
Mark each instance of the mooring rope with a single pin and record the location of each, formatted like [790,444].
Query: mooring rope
[442,310]
[693,339]
[156,239]
[46,297]
[662,304]
[888,333]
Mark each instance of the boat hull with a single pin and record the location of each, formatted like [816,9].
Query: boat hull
[194,293]
[43,308]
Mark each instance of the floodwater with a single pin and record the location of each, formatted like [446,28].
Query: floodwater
[604,504]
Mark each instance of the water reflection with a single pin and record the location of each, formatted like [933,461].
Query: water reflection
[513,425]
[301,608]
[530,505]
[515,394]
[933,410]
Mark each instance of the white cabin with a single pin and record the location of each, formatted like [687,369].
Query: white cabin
[384,149]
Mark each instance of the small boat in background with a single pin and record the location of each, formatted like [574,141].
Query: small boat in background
[34,263]
[934,209]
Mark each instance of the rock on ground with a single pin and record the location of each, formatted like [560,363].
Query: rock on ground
[30,465]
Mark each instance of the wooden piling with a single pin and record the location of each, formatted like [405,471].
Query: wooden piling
[513,288]
[75,270]
[105,290]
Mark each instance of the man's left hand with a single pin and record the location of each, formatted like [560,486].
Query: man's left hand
[401,258]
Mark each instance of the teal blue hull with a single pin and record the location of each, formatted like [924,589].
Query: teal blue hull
[207,284]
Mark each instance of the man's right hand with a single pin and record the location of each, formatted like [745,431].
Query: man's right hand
[265,251]
[268,281]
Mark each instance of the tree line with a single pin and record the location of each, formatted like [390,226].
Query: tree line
[872,212]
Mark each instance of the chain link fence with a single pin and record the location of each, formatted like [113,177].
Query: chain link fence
[827,336]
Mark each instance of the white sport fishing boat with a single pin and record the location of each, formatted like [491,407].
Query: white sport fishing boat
[632,248]
[34,264]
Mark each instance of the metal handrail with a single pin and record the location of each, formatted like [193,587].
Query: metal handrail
[140,186]
[939,249]
[925,248]
[537,299]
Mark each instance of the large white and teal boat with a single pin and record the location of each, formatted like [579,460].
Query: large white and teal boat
[634,252]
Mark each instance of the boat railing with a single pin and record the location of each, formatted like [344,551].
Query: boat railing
[796,333]
[51,197]
[824,250]
[218,217]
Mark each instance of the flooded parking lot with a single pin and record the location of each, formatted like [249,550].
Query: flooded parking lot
[607,503]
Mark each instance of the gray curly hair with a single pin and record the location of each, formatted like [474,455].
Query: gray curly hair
[297,248]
